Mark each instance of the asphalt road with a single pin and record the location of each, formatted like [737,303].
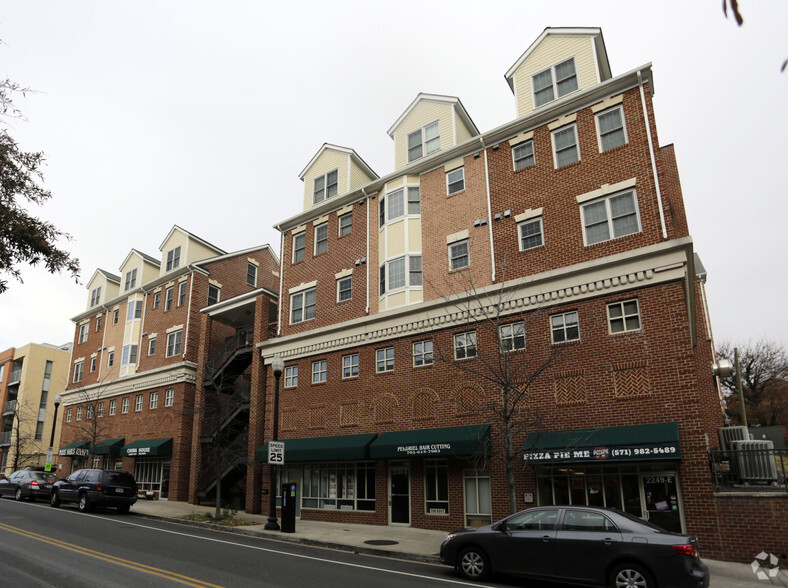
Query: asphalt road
[43,546]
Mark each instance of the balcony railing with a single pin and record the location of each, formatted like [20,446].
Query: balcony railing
[5,438]
[749,470]
[10,407]
[15,376]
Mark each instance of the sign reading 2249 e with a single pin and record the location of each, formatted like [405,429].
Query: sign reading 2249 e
[276,452]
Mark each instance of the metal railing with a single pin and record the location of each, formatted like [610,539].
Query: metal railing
[749,470]
[5,438]
[15,376]
[10,406]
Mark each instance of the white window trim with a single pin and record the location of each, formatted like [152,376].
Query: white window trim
[356,365]
[302,290]
[563,327]
[623,316]
[454,244]
[620,108]
[533,154]
[325,186]
[527,221]
[318,226]
[385,360]
[322,370]
[456,181]
[573,126]
[423,134]
[291,373]
[554,82]
[475,345]
[339,282]
[606,200]
[297,234]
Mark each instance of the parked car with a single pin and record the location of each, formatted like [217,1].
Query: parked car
[90,488]
[577,544]
[28,484]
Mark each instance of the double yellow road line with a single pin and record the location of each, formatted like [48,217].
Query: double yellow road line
[139,567]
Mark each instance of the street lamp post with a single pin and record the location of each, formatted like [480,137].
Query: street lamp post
[278,366]
[48,466]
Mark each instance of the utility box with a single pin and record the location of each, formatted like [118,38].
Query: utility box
[289,498]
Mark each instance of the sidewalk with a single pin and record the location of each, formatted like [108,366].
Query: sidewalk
[401,542]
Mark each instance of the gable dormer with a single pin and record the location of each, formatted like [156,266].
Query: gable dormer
[333,171]
[560,62]
[136,270]
[430,124]
[180,248]
[102,286]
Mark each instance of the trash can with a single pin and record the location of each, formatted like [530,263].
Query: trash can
[289,498]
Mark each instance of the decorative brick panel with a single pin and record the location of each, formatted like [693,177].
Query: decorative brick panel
[570,388]
[630,378]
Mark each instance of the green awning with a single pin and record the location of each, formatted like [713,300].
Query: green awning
[148,448]
[76,449]
[626,443]
[465,440]
[322,448]
[109,447]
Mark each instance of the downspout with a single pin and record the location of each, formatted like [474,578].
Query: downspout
[489,209]
[367,204]
[653,157]
[103,341]
[142,327]
[281,278]
[188,313]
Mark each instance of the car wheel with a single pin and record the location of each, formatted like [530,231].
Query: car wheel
[474,564]
[54,499]
[631,575]
[84,504]
[18,495]
[123,509]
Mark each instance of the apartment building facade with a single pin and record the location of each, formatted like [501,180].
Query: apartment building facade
[546,261]
[31,379]
[130,398]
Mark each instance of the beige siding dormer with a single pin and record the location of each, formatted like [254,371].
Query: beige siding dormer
[192,249]
[338,170]
[555,46]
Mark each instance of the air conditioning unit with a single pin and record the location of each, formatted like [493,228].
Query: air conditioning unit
[754,461]
[729,434]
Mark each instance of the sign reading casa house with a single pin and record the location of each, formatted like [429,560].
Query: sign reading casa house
[148,448]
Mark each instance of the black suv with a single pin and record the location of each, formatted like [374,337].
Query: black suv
[90,488]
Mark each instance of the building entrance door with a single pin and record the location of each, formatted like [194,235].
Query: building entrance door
[399,493]
[661,500]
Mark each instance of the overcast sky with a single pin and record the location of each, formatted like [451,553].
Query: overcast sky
[203,114]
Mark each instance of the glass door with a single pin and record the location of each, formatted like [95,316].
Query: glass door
[399,493]
[661,500]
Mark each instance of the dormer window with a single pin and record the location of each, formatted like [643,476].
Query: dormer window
[326,186]
[131,279]
[424,141]
[173,258]
[95,296]
[555,82]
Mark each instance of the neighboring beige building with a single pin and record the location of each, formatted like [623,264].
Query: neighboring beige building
[30,379]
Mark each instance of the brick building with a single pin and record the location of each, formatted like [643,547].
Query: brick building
[31,377]
[550,258]
[130,400]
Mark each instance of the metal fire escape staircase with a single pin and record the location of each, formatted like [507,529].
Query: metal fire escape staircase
[225,424]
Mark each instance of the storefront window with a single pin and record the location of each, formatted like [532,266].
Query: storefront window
[341,486]
[478,509]
[149,473]
[436,486]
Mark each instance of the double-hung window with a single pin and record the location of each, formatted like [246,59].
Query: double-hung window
[112,407]
[124,405]
[182,293]
[129,355]
[395,205]
[396,270]
[346,224]
[174,341]
[565,327]
[321,238]
[415,277]
[156,299]
[83,332]
[168,298]
[531,233]
[134,310]
[523,155]
[302,306]
[173,258]
[79,368]
[95,296]
[100,410]
[611,129]
[455,180]
[325,186]
[251,274]
[299,246]
[611,217]
[169,397]
[422,353]
[623,316]
[110,358]
[152,346]
[345,288]
[424,141]
[291,376]
[414,200]
[384,360]
[565,146]
[93,361]
[465,345]
[138,403]
[512,336]
[319,371]
[153,401]
[98,323]
[131,279]
[554,82]
[458,255]
[350,366]
[213,294]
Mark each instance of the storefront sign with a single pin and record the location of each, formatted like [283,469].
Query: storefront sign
[431,449]
[669,450]
[138,451]
[74,452]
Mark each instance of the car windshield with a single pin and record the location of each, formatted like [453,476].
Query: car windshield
[121,478]
[46,477]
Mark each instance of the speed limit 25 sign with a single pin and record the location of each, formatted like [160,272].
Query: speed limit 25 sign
[276,452]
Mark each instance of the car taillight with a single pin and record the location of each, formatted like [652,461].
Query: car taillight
[689,550]
[34,483]
[99,487]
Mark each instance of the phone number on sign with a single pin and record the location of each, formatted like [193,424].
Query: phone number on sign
[644,451]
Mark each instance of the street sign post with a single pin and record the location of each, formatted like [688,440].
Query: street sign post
[276,452]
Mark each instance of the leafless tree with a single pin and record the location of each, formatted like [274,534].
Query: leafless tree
[23,437]
[92,426]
